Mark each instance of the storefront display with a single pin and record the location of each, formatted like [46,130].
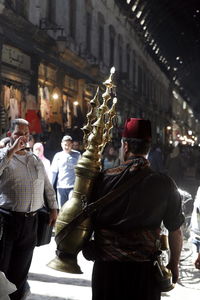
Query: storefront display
[20,104]
[44,100]
[16,99]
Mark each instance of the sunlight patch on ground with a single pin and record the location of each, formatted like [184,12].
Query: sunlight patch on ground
[57,291]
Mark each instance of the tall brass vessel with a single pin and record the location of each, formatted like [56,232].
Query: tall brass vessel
[96,135]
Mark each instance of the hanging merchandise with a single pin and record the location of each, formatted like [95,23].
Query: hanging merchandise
[64,111]
[3,120]
[14,109]
[23,108]
[18,95]
[75,108]
[56,107]
[31,102]
[33,117]
[41,92]
[13,102]
[6,90]
[33,114]
[46,93]
[67,112]
[44,103]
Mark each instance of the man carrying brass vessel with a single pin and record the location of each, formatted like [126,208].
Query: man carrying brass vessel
[127,230]
[23,181]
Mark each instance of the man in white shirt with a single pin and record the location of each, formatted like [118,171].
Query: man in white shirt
[195,229]
[23,182]
[63,169]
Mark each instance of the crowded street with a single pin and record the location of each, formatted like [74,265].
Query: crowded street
[99,150]
[49,284]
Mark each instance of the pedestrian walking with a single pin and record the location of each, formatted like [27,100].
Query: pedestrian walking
[23,182]
[38,150]
[127,231]
[63,170]
[78,146]
[195,228]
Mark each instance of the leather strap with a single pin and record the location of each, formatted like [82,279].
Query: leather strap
[94,206]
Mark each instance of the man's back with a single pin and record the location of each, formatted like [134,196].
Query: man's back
[127,232]
[154,199]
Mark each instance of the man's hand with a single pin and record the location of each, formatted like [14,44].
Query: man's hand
[197,262]
[18,145]
[175,271]
[175,246]
[53,217]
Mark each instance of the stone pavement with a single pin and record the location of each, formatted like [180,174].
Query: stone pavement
[188,286]
[48,284]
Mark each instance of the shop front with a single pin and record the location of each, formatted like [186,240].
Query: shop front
[72,115]
[60,107]
[16,79]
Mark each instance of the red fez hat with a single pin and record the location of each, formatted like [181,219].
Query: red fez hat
[137,128]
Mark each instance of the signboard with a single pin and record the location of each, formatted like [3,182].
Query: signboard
[16,58]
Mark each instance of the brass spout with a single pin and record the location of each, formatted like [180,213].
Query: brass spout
[68,265]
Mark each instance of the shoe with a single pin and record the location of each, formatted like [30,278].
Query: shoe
[26,293]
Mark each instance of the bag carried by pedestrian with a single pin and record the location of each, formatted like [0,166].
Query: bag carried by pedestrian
[4,217]
[44,231]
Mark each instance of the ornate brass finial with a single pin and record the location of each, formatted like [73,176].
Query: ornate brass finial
[109,81]
[91,117]
[109,124]
[104,115]
[100,116]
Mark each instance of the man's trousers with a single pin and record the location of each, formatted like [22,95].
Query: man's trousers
[16,250]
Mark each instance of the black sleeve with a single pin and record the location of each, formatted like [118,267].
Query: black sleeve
[173,217]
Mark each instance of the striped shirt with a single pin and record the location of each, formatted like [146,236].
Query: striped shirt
[23,182]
